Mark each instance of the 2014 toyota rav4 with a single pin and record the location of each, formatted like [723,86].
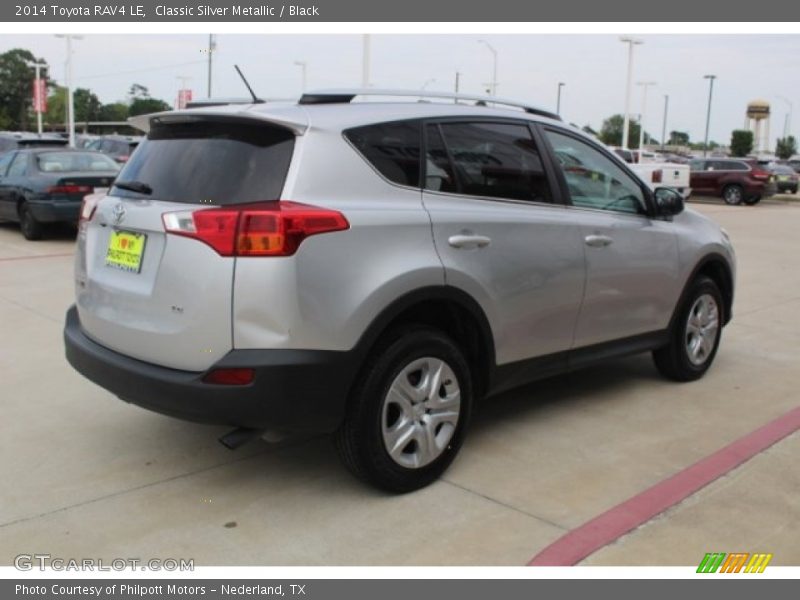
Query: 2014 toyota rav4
[371,268]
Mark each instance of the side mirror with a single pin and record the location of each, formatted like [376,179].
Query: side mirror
[669,202]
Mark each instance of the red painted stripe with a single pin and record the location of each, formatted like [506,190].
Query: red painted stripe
[36,256]
[579,543]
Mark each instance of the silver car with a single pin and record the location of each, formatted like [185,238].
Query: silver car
[370,267]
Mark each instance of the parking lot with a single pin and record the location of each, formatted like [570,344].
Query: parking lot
[86,475]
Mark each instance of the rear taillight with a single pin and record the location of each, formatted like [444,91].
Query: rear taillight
[88,206]
[759,174]
[230,376]
[265,229]
[122,159]
[70,189]
[658,176]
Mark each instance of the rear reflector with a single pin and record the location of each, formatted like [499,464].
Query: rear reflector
[265,229]
[658,176]
[230,376]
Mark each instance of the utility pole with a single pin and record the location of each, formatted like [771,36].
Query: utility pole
[626,117]
[711,79]
[365,59]
[458,78]
[212,47]
[664,124]
[787,123]
[558,101]
[68,77]
[645,85]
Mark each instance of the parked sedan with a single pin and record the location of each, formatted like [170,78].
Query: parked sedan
[118,147]
[786,178]
[737,180]
[40,186]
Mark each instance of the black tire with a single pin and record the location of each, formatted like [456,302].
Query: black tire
[31,228]
[360,439]
[733,194]
[673,360]
[753,201]
[793,190]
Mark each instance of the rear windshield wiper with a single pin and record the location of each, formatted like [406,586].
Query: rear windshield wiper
[134,186]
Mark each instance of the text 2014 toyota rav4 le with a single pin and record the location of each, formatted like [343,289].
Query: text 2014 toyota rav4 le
[372,268]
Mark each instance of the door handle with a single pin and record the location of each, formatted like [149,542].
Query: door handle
[598,241]
[469,241]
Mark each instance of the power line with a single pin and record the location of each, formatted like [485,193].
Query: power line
[161,68]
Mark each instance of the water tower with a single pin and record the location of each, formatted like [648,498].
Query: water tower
[757,121]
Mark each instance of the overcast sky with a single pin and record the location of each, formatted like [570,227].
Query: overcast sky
[593,67]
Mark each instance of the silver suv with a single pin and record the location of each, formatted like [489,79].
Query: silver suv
[372,268]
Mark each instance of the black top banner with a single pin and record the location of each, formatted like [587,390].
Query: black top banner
[177,11]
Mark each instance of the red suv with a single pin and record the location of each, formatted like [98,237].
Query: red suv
[737,180]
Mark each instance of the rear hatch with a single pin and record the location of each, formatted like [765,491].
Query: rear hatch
[159,297]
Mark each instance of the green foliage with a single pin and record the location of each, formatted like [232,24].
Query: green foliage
[611,132]
[116,111]
[16,88]
[678,138]
[741,142]
[786,147]
[143,106]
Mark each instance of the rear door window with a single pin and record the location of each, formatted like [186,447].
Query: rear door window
[19,165]
[392,148]
[496,160]
[217,162]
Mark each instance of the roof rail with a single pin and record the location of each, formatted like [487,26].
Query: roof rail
[343,96]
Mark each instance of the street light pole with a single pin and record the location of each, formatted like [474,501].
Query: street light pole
[212,46]
[302,64]
[787,123]
[626,117]
[711,79]
[645,85]
[37,67]
[494,65]
[664,124]
[558,101]
[68,78]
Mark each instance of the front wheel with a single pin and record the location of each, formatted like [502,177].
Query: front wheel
[408,412]
[733,194]
[695,334]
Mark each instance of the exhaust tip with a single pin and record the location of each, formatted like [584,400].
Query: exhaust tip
[239,437]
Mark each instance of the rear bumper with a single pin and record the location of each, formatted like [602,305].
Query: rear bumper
[48,211]
[293,390]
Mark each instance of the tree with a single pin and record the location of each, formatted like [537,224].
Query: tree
[16,88]
[138,91]
[786,148]
[85,103]
[115,111]
[678,138]
[143,106]
[741,142]
[611,132]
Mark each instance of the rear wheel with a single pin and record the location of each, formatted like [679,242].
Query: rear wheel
[408,412]
[30,227]
[753,201]
[695,334]
[733,194]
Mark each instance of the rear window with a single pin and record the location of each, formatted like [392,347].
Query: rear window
[217,162]
[392,148]
[57,162]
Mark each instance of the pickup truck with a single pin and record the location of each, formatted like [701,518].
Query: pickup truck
[656,173]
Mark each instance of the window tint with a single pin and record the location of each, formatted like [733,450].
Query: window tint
[5,160]
[438,169]
[593,179]
[392,148]
[497,160]
[216,162]
[19,165]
